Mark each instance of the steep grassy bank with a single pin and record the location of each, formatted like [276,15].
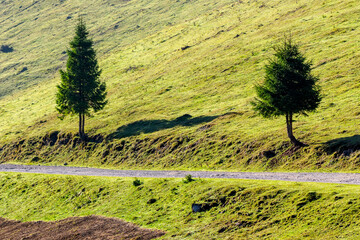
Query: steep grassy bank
[234,208]
[203,65]
[197,149]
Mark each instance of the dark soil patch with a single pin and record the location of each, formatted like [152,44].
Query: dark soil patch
[91,227]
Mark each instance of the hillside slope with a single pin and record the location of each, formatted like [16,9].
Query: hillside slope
[39,31]
[179,92]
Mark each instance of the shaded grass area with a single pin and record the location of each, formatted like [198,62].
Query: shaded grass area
[349,144]
[149,126]
[235,209]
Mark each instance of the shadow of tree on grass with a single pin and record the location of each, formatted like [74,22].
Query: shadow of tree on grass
[345,145]
[149,126]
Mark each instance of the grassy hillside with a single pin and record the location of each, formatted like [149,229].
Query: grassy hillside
[174,108]
[236,209]
[39,31]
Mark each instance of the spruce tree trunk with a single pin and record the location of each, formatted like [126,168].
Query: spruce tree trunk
[80,126]
[83,126]
[289,121]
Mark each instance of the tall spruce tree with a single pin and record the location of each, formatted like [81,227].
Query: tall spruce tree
[289,87]
[80,89]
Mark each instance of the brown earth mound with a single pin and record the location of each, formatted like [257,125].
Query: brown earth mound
[91,227]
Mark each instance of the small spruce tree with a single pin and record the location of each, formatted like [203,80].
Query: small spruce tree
[80,89]
[289,87]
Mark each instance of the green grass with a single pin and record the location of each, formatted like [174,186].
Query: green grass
[152,82]
[239,209]
[39,31]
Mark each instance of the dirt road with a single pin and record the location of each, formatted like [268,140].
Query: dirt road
[343,178]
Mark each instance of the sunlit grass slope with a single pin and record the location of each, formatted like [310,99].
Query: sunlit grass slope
[204,64]
[39,31]
[237,209]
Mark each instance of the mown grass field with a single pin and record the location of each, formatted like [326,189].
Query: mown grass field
[238,209]
[152,81]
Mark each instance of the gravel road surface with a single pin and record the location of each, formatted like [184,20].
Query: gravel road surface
[343,178]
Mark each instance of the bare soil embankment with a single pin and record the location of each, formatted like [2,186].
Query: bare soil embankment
[91,227]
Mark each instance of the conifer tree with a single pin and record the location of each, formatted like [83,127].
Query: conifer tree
[80,89]
[289,87]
